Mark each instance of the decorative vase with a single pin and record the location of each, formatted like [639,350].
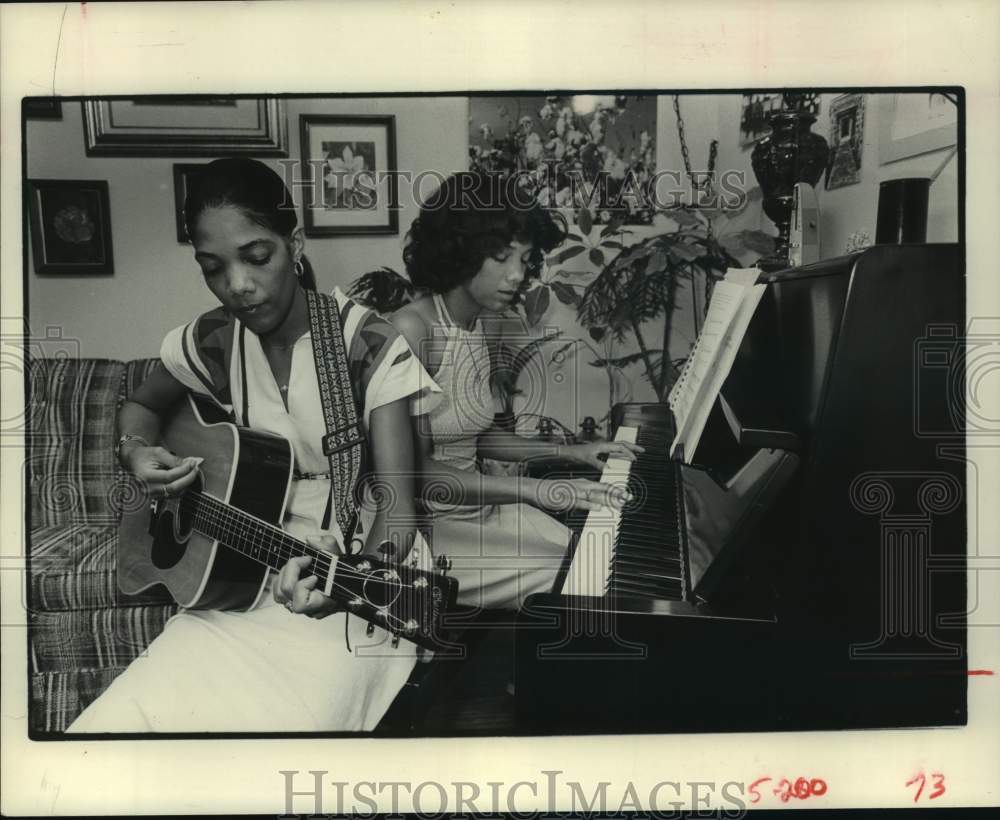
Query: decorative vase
[791,153]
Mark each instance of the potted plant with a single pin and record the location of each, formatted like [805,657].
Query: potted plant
[637,284]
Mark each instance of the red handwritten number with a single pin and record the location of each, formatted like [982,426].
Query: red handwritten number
[755,795]
[802,789]
[921,778]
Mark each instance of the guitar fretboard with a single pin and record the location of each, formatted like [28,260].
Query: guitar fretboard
[251,536]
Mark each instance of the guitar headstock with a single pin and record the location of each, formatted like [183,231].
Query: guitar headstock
[404,599]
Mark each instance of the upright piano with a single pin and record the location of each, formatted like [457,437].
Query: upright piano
[806,569]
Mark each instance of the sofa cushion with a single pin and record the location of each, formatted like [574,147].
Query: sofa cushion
[59,697]
[70,440]
[73,567]
[94,638]
[136,372]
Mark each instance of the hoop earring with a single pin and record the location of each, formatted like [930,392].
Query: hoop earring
[300,269]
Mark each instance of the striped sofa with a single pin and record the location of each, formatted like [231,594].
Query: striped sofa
[82,632]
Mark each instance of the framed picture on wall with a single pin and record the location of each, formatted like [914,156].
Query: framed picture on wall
[916,123]
[350,165]
[182,173]
[185,126]
[70,226]
[847,139]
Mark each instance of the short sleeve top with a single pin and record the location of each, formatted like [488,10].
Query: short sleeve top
[396,374]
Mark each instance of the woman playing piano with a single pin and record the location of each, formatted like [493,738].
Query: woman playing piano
[474,246]
[271,668]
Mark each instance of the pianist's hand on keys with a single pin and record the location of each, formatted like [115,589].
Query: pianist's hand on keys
[594,453]
[565,494]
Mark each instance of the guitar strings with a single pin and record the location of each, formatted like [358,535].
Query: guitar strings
[211,509]
[324,561]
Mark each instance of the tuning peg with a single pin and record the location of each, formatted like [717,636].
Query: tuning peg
[364,566]
[411,627]
[355,602]
[443,564]
[420,583]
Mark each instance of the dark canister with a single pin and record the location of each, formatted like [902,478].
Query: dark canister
[902,211]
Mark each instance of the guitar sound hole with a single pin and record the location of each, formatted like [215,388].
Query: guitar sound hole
[173,528]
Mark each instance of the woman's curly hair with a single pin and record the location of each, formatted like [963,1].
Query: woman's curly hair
[470,218]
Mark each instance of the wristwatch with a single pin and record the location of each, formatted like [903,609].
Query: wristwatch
[124,440]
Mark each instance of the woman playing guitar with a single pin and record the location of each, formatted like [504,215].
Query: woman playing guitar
[270,668]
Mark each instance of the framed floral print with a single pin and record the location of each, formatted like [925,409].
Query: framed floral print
[349,163]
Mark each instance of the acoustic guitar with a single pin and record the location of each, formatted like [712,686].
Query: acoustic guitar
[214,545]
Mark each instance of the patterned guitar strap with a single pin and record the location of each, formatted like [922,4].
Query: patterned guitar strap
[345,443]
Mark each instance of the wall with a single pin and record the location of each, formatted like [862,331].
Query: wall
[157,285]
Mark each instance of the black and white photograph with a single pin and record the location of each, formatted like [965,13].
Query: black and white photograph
[579,418]
[631,443]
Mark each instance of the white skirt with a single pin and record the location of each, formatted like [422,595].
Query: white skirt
[266,670]
[500,554]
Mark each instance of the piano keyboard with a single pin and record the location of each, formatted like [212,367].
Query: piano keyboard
[636,551]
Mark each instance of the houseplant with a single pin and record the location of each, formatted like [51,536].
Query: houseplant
[637,284]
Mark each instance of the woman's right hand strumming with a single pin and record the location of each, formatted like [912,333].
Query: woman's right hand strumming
[568,494]
[164,473]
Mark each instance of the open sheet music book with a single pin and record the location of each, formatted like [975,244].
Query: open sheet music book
[733,303]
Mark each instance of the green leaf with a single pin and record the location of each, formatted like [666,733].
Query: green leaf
[597,333]
[687,252]
[565,294]
[597,257]
[568,253]
[526,353]
[622,361]
[732,243]
[612,227]
[618,246]
[658,261]
[757,241]
[585,221]
[683,216]
[562,350]
[536,302]
[573,274]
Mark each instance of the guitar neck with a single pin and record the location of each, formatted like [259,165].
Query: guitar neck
[253,537]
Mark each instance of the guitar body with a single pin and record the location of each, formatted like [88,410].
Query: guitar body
[239,497]
[249,470]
